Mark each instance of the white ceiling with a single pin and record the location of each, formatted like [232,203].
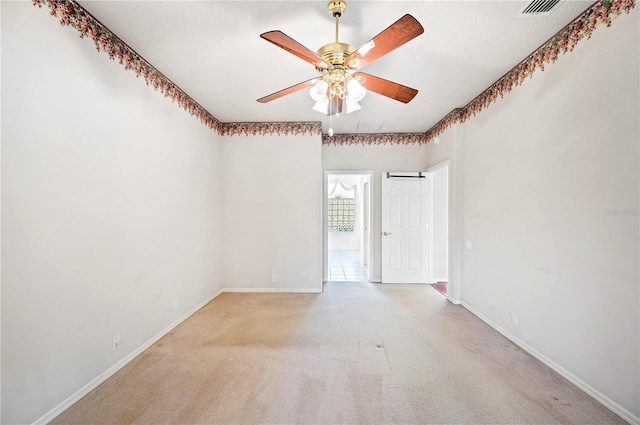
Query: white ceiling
[212,50]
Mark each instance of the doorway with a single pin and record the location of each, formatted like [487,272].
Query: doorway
[347,225]
[439,225]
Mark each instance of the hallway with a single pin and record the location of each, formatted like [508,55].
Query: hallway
[345,266]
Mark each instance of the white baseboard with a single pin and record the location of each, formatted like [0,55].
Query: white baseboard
[454,301]
[49,416]
[604,400]
[289,290]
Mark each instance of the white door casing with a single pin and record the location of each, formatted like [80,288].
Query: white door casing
[364,250]
[404,227]
[439,224]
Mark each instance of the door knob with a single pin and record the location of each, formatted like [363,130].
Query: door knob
[386,234]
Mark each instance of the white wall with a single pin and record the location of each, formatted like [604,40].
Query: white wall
[550,200]
[272,212]
[110,211]
[380,159]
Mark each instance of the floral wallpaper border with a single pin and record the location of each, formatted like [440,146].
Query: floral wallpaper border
[374,139]
[565,40]
[69,12]
[279,128]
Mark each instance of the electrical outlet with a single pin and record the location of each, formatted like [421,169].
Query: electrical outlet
[176,303]
[469,244]
[514,319]
[115,343]
[274,278]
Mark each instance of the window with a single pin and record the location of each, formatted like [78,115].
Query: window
[341,215]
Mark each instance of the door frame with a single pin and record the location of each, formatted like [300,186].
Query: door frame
[325,233]
[445,164]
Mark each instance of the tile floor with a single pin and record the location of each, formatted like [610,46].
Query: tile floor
[345,266]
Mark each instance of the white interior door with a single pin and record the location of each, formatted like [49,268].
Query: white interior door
[404,228]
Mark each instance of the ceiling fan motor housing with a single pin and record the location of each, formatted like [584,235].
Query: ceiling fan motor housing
[335,53]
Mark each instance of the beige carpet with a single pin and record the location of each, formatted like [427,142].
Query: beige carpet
[356,354]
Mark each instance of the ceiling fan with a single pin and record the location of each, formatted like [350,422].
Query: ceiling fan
[340,85]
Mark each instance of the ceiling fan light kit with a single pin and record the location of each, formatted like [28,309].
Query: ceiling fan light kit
[340,87]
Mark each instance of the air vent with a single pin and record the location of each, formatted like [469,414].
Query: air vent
[369,126]
[538,8]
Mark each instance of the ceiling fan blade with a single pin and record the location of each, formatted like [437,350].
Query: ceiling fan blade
[287,43]
[387,88]
[403,30]
[288,90]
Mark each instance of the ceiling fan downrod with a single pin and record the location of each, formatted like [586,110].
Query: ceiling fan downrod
[336,9]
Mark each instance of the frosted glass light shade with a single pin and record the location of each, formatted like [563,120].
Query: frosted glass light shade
[322,105]
[319,91]
[352,106]
[355,91]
